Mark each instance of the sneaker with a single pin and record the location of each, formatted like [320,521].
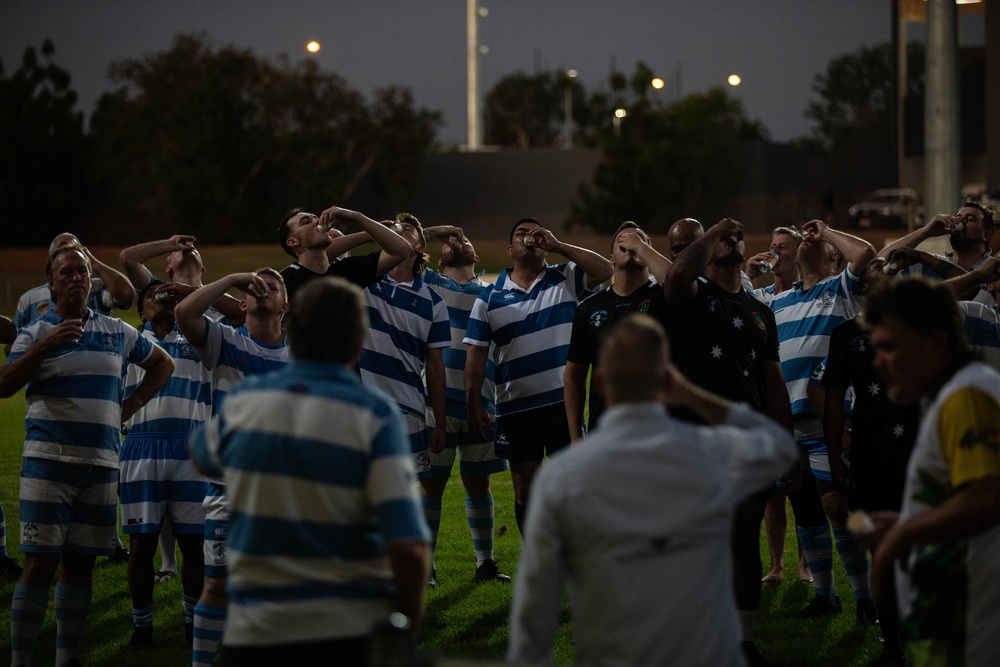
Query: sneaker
[819,606]
[120,557]
[142,638]
[866,613]
[433,581]
[753,656]
[10,568]
[489,571]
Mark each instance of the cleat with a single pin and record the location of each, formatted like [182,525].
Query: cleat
[142,638]
[489,571]
[120,557]
[10,568]
[819,606]
[163,576]
[866,613]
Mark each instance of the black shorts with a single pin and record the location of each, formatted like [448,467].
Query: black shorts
[532,434]
[878,485]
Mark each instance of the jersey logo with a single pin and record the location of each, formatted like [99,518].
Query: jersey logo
[598,318]
[759,321]
[109,342]
[860,343]
[713,304]
[43,307]
[828,298]
[509,296]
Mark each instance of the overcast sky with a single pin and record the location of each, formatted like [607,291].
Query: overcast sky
[776,46]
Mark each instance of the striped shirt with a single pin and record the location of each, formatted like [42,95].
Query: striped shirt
[530,331]
[75,396]
[232,354]
[459,298]
[184,402]
[982,296]
[320,479]
[38,300]
[405,319]
[982,330]
[805,320]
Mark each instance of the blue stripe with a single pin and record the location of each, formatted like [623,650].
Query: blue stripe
[265,536]
[99,387]
[301,458]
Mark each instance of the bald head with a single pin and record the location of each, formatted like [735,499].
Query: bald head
[633,361]
[683,233]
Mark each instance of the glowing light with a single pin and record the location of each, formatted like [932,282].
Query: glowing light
[734,79]
[312,47]
[657,83]
[620,113]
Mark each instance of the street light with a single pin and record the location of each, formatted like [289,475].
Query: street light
[568,109]
[617,120]
[734,80]
[657,83]
[312,47]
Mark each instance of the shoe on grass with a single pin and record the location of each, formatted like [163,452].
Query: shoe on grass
[120,557]
[142,638]
[489,571]
[819,606]
[433,581]
[10,568]
[866,613]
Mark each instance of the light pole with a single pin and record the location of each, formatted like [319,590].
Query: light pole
[616,122]
[473,50]
[568,109]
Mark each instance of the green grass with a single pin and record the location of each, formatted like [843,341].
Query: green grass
[462,619]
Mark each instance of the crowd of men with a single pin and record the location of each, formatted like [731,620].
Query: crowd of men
[295,442]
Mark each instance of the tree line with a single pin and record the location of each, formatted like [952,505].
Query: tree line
[217,142]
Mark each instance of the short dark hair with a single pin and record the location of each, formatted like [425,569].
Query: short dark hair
[919,305]
[510,239]
[328,321]
[628,224]
[284,232]
[987,212]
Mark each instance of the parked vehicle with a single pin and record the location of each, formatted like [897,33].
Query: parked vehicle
[888,207]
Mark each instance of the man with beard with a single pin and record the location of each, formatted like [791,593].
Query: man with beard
[969,233]
[309,240]
[459,286]
[725,340]
[70,362]
[824,296]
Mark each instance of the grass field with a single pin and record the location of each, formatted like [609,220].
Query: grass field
[462,620]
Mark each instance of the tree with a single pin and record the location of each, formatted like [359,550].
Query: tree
[856,92]
[218,142]
[523,111]
[660,162]
[41,132]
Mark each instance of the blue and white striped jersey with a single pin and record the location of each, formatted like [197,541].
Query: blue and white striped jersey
[530,333]
[405,319]
[37,301]
[75,396]
[982,330]
[184,402]
[805,320]
[320,479]
[232,354]
[459,298]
